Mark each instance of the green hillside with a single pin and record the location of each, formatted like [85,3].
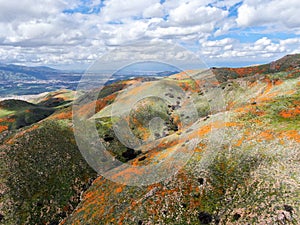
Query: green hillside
[242,127]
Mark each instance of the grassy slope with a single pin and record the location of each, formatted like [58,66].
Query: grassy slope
[43,174]
[42,170]
[15,114]
[249,177]
[252,176]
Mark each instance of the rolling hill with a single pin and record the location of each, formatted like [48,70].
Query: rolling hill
[241,124]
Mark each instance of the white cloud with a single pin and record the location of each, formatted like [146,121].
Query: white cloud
[155,10]
[40,32]
[226,4]
[195,13]
[263,42]
[177,32]
[120,9]
[218,43]
[229,49]
[292,45]
[153,50]
[187,21]
[27,9]
[36,23]
[123,33]
[276,13]
[225,26]
[173,4]
[290,41]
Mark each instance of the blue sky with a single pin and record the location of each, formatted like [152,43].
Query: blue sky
[73,34]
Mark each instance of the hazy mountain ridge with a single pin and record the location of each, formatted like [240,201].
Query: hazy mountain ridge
[23,80]
[41,72]
[252,177]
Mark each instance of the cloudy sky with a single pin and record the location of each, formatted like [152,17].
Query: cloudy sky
[73,33]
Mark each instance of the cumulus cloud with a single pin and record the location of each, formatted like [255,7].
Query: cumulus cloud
[274,13]
[73,31]
[187,21]
[290,41]
[35,23]
[219,43]
[119,34]
[153,50]
[15,10]
[193,13]
[119,9]
[155,10]
[226,4]
[232,50]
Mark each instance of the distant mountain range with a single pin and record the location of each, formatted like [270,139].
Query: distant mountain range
[40,72]
[23,80]
[18,72]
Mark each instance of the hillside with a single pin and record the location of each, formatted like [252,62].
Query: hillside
[241,124]
[42,171]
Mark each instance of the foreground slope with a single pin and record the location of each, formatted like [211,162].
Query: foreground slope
[244,168]
[42,172]
[248,175]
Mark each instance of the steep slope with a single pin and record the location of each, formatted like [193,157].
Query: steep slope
[42,170]
[244,169]
[42,174]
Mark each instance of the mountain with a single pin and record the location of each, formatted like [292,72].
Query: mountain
[16,80]
[241,124]
[23,80]
[41,72]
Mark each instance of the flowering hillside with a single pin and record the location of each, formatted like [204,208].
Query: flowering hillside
[244,167]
